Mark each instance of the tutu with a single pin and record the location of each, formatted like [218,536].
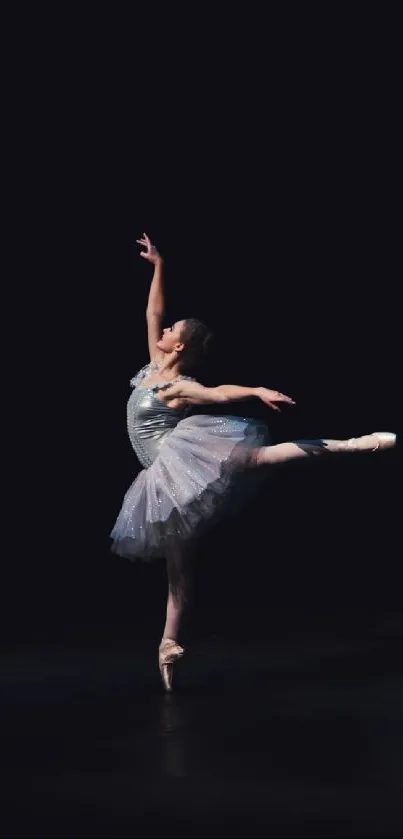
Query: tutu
[197,471]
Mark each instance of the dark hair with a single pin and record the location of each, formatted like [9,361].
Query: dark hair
[197,339]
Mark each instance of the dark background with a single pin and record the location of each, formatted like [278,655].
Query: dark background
[264,160]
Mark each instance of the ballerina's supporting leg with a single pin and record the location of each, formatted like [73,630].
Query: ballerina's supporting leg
[286,452]
[179,571]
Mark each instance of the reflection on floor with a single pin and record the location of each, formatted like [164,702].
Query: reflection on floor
[279,739]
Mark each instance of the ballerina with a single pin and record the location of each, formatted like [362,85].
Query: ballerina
[195,466]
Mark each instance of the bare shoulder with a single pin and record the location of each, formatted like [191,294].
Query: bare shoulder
[190,391]
[148,371]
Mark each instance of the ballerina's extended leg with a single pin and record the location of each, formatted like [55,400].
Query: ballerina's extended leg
[285,452]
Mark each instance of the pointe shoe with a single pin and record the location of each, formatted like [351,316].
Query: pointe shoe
[169,652]
[372,442]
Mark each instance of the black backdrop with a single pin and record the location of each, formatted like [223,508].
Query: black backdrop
[271,187]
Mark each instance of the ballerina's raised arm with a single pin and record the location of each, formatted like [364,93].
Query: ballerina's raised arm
[156,298]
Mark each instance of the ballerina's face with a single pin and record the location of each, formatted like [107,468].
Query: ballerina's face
[171,338]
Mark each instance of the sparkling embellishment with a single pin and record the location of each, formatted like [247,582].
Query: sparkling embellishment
[191,464]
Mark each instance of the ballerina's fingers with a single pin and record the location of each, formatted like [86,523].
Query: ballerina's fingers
[283,398]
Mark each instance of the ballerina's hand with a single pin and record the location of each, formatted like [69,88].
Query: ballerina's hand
[150,254]
[272,397]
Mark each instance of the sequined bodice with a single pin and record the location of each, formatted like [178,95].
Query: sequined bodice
[149,419]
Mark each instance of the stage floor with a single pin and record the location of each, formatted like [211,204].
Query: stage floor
[290,737]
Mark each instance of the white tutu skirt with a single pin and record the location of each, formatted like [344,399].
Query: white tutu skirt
[201,471]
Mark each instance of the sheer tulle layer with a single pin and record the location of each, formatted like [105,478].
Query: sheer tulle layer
[201,472]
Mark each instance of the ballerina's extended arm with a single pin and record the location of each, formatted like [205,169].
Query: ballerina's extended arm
[156,298]
[195,393]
